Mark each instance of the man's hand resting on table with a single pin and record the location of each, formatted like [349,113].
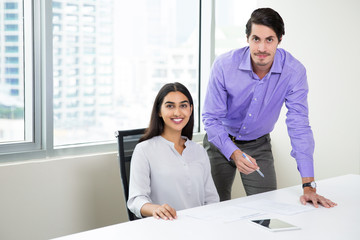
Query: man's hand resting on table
[311,196]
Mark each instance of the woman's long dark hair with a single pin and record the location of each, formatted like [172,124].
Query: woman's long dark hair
[156,126]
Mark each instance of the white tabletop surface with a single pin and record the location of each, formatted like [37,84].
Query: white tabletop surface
[341,222]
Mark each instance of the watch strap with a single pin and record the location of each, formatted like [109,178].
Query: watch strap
[309,184]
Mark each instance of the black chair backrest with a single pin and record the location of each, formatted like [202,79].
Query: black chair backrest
[133,137]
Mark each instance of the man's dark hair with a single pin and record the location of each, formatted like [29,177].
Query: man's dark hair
[269,18]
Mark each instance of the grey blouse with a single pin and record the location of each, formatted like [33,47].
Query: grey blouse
[159,175]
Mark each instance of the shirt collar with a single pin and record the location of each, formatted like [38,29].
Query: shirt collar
[245,64]
[171,143]
[277,66]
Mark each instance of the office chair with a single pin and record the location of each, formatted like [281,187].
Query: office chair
[133,137]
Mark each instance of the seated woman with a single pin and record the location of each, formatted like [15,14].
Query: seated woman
[169,172]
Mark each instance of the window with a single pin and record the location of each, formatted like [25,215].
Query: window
[13,60]
[117,66]
[231,17]
[70,8]
[71,18]
[11,38]
[108,60]
[11,16]
[72,39]
[12,81]
[14,92]
[15,82]
[71,28]
[57,17]
[10,71]
[89,19]
[10,5]
[89,8]
[11,27]
[11,49]
[56,5]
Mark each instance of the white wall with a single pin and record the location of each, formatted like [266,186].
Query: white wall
[54,197]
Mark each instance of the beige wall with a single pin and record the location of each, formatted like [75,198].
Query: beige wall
[54,197]
[50,198]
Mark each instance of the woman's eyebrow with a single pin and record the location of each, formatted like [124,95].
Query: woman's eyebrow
[169,102]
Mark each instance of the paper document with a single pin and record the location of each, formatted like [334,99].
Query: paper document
[225,214]
[277,207]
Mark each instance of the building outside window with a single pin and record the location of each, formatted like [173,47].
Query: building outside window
[12,105]
[119,44]
[109,59]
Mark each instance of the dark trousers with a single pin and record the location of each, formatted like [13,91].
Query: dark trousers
[223,171]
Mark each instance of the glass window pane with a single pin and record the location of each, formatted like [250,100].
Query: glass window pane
[120,52]
[231,17]
[11,5]
[11,38]
[12,120]
[11,16]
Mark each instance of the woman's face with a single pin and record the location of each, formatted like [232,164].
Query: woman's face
[175,111]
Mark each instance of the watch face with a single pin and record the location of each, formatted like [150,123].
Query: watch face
[313,184]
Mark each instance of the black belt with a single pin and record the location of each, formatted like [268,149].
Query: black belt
[243,142]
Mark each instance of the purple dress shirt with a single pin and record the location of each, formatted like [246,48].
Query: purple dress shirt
[239,103]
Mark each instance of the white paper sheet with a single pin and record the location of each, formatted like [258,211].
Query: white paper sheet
[226,214]
[277,207]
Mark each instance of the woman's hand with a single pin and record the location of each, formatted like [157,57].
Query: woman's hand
[164,211]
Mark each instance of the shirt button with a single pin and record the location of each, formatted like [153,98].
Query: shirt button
[244,127]
[250,114]
[255,99]
[239,136]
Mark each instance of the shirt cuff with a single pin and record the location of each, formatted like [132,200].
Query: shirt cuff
[306,169]
[137,205]
[228,149]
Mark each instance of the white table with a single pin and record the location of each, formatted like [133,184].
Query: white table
[341,222]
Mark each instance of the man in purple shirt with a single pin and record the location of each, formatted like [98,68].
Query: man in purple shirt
[245,94]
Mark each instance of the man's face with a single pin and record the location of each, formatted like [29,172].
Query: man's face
[263,43]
